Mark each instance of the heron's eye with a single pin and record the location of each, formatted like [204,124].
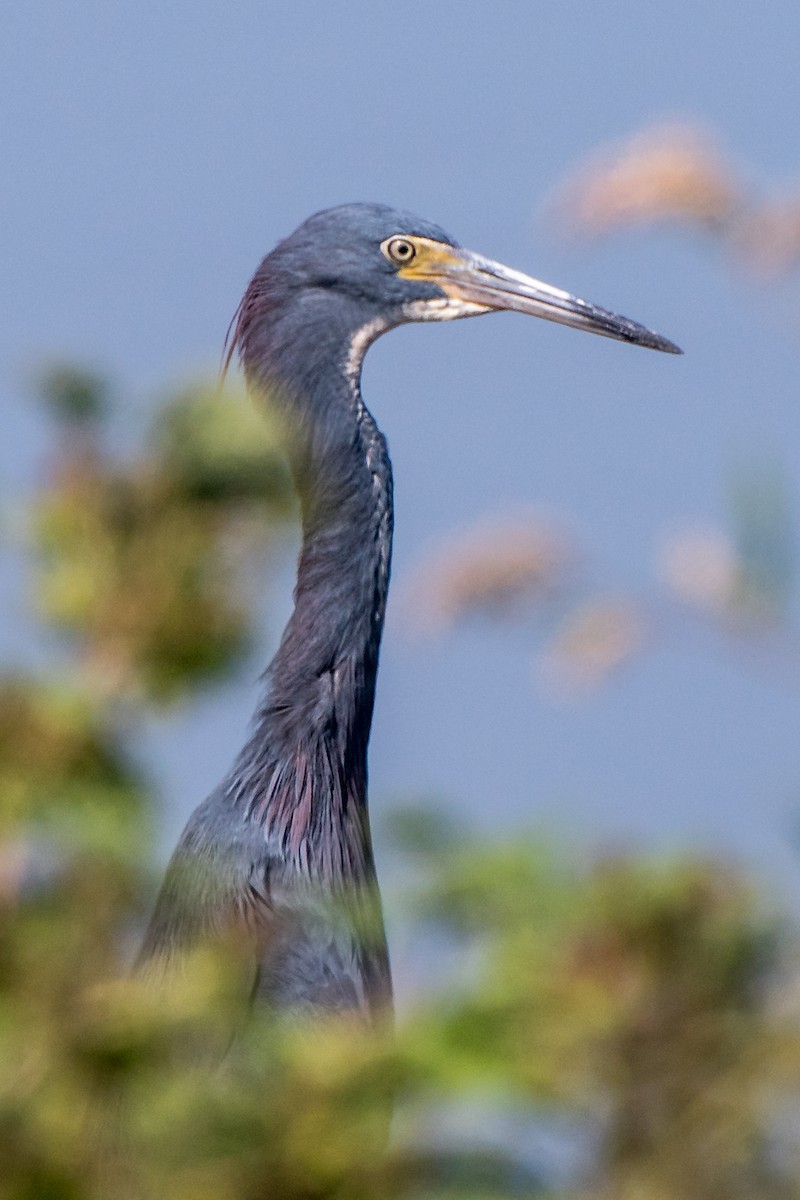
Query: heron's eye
[400,250]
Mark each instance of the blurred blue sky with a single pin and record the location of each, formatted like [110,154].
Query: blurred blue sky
[152,153]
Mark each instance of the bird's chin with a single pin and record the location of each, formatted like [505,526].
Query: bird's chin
[444,308]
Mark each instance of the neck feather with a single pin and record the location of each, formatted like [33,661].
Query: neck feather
[303,774]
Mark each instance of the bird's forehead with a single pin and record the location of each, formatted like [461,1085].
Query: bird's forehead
[369,223]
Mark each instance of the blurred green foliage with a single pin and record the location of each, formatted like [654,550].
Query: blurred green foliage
[651,1007]
[64,772]
[145,565]
[74,396]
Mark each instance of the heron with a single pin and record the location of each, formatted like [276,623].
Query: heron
[280,853]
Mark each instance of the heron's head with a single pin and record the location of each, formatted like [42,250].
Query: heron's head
[361,269]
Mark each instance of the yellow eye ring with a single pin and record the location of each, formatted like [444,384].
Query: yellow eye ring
[400,251]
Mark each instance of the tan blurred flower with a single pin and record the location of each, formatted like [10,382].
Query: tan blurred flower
[497,568]
[591,643]
[706,570]
[671,172]
[701,567]
[768,238]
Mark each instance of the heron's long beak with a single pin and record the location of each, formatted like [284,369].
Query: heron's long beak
[473,279]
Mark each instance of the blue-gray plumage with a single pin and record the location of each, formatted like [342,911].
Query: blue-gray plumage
[280,853]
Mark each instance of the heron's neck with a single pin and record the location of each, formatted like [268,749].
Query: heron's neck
[304,771]
[329,649]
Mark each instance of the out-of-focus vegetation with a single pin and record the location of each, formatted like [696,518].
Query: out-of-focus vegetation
[530,571]
[648,1012]
[678,173]
[145,564]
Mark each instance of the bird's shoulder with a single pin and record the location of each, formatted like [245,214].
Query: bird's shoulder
[218,878]
[310,949]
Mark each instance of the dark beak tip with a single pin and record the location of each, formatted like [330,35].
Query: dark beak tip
[669,347]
